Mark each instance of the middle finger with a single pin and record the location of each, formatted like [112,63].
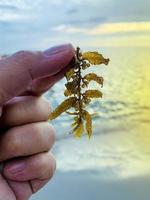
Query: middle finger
[26,140]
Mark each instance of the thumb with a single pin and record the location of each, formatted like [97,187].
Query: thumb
[19,70]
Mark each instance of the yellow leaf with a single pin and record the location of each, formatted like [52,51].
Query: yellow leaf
[65,105]
[93,94]
[94,77]
[78,130]
[88,123]
[76,122]
[72,85]
[95,58]
[67,93]
[69,74]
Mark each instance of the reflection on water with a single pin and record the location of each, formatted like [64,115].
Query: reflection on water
[115,163]
[120,146]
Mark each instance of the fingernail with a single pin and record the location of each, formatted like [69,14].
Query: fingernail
[58,49]
[16,168]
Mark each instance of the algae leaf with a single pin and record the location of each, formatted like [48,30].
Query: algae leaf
[93,77]
[93,94]
[78,130]
[78,99]
[65,105]
[95,58]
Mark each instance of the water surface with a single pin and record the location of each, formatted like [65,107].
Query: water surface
[117,158]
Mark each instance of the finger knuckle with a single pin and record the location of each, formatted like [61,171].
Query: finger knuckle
[45,134]
[51,133]
[49,164]
[45,105]
[13,144]
[27,55]
[28,59]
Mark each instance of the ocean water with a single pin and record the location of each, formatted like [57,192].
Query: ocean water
[115,163]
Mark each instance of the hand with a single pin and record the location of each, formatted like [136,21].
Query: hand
[26,137]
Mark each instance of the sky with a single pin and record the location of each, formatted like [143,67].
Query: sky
[26,24]
[37,24]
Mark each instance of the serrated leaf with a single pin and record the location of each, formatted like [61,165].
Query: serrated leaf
[69,74]
[88,123]
[93,94]
[93,77]
[95,58]
[65,105]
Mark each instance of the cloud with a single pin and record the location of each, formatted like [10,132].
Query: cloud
[117,34]
[8,7]
[12,11]
[119,41]
[9,17]
[72,11]
[14,4]
[117,158]
[108,28]
[121,27]
[68,29]
[115,11]
[87,22]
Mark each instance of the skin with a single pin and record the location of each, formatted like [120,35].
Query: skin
[26,137]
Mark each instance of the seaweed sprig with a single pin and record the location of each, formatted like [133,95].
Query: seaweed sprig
[78,96]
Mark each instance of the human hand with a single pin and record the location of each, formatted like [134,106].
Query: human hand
[26,138]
